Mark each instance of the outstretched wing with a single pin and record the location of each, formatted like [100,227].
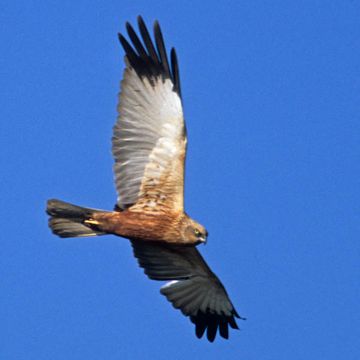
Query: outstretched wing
[149,139]
[194,288]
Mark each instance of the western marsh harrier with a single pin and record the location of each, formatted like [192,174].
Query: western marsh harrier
[149,147]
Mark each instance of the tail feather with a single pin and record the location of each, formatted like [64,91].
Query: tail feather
[67,220]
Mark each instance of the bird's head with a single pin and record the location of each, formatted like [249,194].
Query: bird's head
[194,232]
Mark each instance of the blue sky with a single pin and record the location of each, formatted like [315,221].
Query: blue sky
[271,95]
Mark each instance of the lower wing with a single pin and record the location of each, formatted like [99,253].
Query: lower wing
[194,288]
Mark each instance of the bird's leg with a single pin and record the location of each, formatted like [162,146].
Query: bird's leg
[91,222]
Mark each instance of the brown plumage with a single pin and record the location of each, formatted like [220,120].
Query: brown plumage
[149,148]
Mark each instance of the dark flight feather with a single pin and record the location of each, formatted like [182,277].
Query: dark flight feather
[194,289]
[148,61]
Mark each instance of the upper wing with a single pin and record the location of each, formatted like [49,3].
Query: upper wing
[195,289]
[149,139]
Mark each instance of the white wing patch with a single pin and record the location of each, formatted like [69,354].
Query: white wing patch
[168,284]
[148,143]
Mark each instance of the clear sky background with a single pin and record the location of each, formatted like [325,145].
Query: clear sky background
[271,92]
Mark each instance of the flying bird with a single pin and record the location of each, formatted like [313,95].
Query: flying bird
[149,148]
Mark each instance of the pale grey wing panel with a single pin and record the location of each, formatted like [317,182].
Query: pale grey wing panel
[149,136]
[194,289]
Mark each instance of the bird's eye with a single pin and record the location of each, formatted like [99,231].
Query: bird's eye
[197,233]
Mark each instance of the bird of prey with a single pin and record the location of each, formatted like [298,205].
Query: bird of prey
[149,148]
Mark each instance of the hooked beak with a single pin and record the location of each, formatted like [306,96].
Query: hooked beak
[203,239]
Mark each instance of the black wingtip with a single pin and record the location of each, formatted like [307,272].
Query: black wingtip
[157,27]
[159,40]
[140,19]
[233,323]
[125,44]
[175,71]
[200,330]
[139,47]
[212,323]
[212,329]
[224,330]
[149,59]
